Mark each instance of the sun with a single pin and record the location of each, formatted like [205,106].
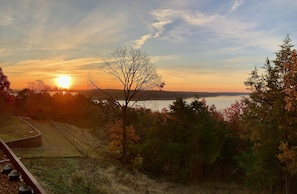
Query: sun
[63,81]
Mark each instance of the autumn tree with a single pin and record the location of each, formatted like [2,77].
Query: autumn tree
[288,145]
[269,118]
[21,98]
[234,144]
[38,86]
[6,97]
[38,106]
[35,100]
[135,72]
[71,108]
[116,136]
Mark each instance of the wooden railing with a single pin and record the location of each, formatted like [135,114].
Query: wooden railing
[19,166]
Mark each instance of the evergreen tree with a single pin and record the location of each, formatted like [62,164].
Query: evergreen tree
[184,139]
[267,118]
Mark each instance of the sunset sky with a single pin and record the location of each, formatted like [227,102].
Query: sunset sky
[196,45]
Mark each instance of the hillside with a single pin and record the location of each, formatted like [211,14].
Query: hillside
[64,173]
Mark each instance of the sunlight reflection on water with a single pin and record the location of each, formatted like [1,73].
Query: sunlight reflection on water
[221,102]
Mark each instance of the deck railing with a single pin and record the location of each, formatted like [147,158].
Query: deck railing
[19,166]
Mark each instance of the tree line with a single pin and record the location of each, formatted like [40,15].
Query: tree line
[254,140]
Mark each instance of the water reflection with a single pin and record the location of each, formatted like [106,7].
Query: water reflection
[221,102]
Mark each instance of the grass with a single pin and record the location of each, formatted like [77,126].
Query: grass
[81,138]
[89,176]
[54,143]
[12,128]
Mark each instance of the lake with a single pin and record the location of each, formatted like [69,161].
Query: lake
[221,102]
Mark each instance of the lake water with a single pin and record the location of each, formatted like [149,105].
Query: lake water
[221,102]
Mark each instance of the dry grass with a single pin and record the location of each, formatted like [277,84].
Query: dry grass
[86,175]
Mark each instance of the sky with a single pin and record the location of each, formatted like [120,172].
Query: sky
[196,45]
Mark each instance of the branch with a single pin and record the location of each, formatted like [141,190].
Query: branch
[103,91]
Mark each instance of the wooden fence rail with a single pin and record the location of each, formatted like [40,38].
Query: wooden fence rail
[19,166]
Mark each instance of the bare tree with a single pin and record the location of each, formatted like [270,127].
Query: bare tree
[136,73]
[38,86]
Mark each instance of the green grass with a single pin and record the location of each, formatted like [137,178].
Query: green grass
[83,138]
[12,128]
[54,144]
[8,137]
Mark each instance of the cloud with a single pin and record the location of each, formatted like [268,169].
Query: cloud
[6,20]
[139,42]
[2,50]
[236,4]
[197,19]
[203,80]
[55,26]
[53,66]
[48,69]
[246,34]
[168,16]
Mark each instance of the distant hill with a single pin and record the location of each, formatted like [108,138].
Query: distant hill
[156,94]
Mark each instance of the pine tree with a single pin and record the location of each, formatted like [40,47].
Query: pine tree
[267,118]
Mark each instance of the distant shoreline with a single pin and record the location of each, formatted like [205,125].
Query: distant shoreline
[158,95]
[150,94]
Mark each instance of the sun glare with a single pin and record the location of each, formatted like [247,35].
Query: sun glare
[63,81]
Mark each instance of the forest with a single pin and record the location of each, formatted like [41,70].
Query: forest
[254,141]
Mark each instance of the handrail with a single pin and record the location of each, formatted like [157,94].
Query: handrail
[19,166]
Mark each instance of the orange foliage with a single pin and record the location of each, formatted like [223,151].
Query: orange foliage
[116,136]
[291,81]
[288,157]
[232,114]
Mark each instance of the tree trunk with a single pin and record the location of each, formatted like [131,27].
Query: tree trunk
[124,142]
[222,170]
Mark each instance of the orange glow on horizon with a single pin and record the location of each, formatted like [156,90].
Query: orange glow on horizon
[81,82]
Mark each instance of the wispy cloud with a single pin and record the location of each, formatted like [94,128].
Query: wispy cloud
[6,20]
[54,26]
[245,34]
[156,59]
[189,81]
[236,4]
[51,64]
[139,42]
[168,16]
[50,68]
